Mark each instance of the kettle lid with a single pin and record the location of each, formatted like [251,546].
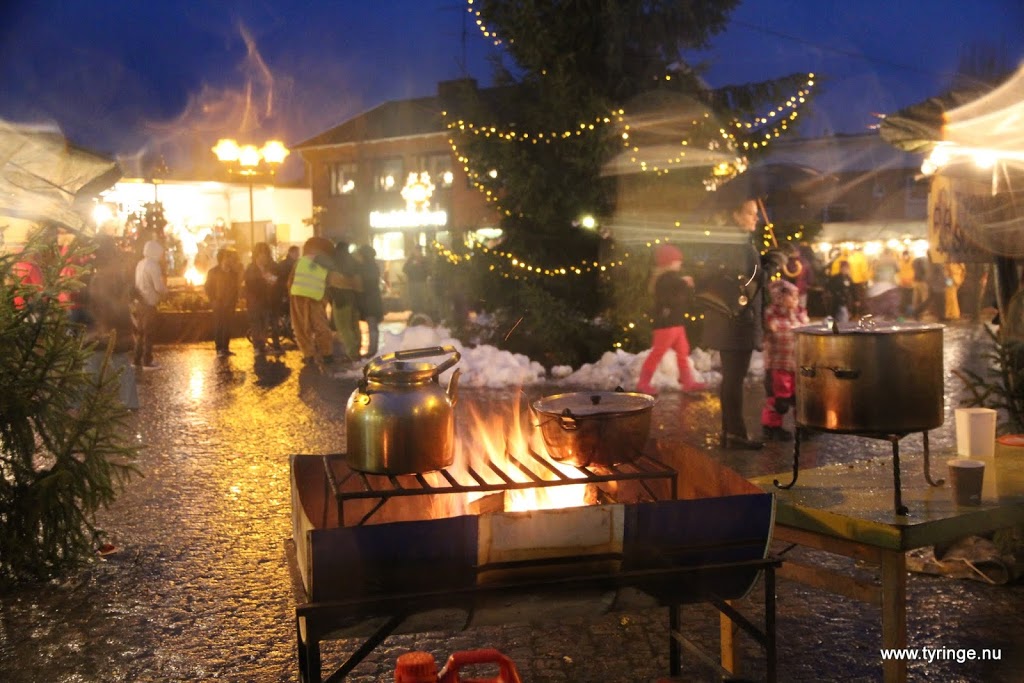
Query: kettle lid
[401,372]
[396,368]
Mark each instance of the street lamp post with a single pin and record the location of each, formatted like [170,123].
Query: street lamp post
[245,160]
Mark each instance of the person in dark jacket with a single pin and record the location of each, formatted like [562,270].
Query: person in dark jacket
[222,285]
[283,270]
[110,319]
[673,299]
[371,304]
[260,292]
[733,292]
[344,301]
[840,293]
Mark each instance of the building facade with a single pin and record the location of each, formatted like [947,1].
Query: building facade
[389,178]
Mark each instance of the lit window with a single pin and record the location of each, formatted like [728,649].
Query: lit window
[343,178]
[439,166]
[387,173]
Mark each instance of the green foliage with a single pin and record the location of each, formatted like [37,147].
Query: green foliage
[64,450]
[540,146]
[536,316]
[626,288]
[185,300]
[1001,385]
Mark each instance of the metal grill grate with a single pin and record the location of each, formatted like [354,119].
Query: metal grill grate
[384,487]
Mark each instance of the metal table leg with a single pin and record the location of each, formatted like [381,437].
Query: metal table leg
[927,465]
[796,460]
[901,509]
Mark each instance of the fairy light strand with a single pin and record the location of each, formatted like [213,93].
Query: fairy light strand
[487,33]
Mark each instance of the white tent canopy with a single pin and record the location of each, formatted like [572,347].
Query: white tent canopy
[856,231]
[43,178]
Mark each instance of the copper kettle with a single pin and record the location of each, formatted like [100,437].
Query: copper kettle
[399,420]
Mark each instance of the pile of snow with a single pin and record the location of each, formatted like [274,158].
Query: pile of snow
[490,367]
[481,366]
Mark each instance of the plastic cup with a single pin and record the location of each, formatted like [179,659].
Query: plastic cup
[965,478]
[975,432]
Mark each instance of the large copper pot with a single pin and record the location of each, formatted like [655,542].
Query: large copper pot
[869,378]
[594,427]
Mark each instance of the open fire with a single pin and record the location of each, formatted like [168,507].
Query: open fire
[495,438]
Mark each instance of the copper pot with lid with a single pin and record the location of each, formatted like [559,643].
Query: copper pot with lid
[594,427]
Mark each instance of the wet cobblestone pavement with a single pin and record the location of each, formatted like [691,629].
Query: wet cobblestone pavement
[200,588]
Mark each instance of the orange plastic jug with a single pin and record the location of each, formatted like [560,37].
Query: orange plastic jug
[506,669]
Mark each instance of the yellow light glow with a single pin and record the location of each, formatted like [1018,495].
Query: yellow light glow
[226,149]
[249,156]
[101,213]
[274,152]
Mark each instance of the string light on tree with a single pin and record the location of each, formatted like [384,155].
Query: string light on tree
[491,35]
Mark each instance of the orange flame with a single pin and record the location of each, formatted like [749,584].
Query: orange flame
[496,438]
[194,277]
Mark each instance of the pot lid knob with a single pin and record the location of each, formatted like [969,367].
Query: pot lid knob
[595,399]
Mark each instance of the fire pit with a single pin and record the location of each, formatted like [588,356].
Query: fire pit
[383,554]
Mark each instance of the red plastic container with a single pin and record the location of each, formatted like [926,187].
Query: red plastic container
[506,669]
[420,667]
[416,667]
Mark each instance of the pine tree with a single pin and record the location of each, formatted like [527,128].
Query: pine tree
[64,448]
[540,146]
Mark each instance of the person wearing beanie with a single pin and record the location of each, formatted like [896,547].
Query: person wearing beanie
[673,298]
[784,314]
[307,286]
[150,290]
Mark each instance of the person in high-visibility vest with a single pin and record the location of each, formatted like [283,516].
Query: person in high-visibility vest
[306,288]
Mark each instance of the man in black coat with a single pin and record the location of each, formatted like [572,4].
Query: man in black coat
[732,291]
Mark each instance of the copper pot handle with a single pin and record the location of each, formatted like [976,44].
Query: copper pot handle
[840,373]
[416,353]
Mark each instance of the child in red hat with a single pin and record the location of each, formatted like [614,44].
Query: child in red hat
[784,313]
[673,299]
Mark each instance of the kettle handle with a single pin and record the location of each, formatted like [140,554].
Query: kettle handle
[416,353]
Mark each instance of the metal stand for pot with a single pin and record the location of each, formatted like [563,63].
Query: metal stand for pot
[894,439]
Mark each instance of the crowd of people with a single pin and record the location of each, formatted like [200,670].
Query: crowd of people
[122,288]
[753,301]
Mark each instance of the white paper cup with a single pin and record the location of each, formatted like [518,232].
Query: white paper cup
[975,432]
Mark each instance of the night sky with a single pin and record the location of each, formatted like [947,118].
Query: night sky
[120,75]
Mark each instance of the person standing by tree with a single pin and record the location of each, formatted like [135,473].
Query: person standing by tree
[110,320]
[150,289]
[222,284]
[344,297]
[417,271]
[784,313]
[673,299]
[371,305]
[733,291]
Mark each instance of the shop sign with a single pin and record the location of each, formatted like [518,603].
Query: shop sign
[958,212]
[417,193]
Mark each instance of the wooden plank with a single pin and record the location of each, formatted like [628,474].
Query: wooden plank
[838,546]
[699,475]
[728,645]
[894,614]
[831,581]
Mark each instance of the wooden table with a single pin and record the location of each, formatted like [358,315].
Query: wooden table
[846,509]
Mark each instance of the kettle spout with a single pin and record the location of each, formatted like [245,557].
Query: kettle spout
[453,387]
